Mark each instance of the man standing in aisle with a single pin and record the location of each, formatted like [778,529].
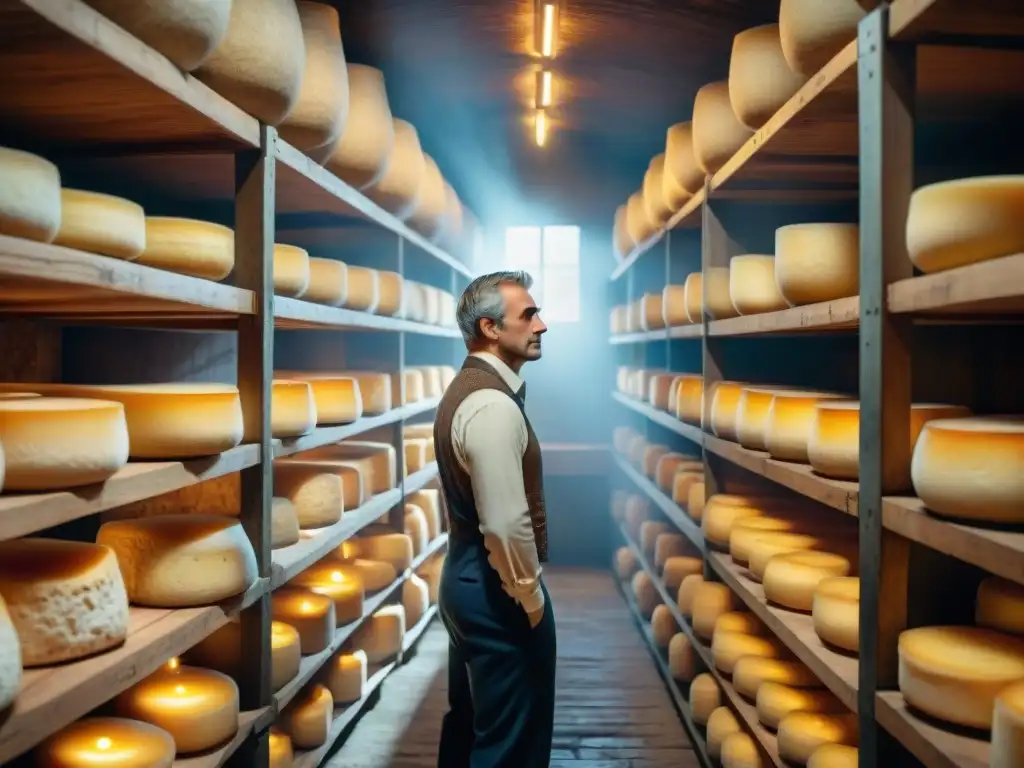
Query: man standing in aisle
[501,653]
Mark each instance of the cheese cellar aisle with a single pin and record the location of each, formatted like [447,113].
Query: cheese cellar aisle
[818,437]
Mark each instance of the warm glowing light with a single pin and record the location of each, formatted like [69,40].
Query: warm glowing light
[542,128]
[544,88]
[337,577]
[179,689]
[306,606]
[104,743]
[547,44]
[173,663]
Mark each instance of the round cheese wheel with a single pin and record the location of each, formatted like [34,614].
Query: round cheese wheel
[965,221]
[750,672]
[321,109]
[791,579]
[669,545]
[347,677]
[328,282]
[740,621]
[739,751]
[695,502]
[681,657]
[817,262]
[655,203]
[1008,728]
[131,742]
[752,287]
[725,402]
[775,699]
[291,270]
[282,754]
[181,561]
[955,673]
[103,224]
[361,154]
[760,80]
[687,591]
[415,599]
[307,718]
[30,197]
[391,299]
[746,531]
[651,314]
[337,397]
[765,547]
[311,615]
[835,610]
[363,292]
[970,469]
[259,63]
[646,594]
[705,697]
[66,599]
[693,297]
[638,223]
[790,422]
[663,626]
[835,756]
[812,33]
[381,636]
[670,465]
[677,568]
[398,186]
[717,301]
[717,133]
[621,240]
[625,563]
[729,647]
[710,600]
[426,215]
[196,248]
[683,176]
[651,456]
[51,443]
[1000,605]
[690,399]
[723,511]
[292,408]
[659,389]
[284,523]
[721,723]
[802,733]
[637,510]
[673,305]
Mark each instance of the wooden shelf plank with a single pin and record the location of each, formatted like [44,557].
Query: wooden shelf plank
[986,288]
[687,216]
[419,480]
[801,478]
[52,697]
[25,513]
[837,315]
[662,334]
[664,419]
[837,671]
[921,20]
[217,757]
[933,746]
[296,314]
[682,521]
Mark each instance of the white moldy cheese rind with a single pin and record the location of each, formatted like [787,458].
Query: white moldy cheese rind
[103,224]
[10,658]
[30,198]
[66,599]
[181,561]
[382,635]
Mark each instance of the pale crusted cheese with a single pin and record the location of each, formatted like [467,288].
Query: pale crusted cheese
[307,718]
[103,224]
[346,676]
[382,635]
[30,199]
[415,599]
[284,523]
[317,493]
[10,658]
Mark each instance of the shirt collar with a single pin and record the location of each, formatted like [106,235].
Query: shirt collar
[510,377]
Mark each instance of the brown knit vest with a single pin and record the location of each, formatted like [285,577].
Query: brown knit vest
[463,519]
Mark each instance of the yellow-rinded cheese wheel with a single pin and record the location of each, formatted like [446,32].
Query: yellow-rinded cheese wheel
[415,599]
[341,582]
[284,523]
[970,469]
[363,289]
[965,221]
[376,390]
[429,500]
[705,697]
[222,651]
[813,33]
[765,547]
[282,754]
[309,613]
[802,733]
[414,523]
[836,612]
[752,415]
[817,262]
[752,287]
[638,223]
[695,502]
[625,563]
[655,203]
[147,744]
[190,247]
[693,297]
[337,397]
[710,600]
[65,599]
[682,661]
[651,316]
[412,386]
[318,493]
[292,408]
[426,215]
[740,621]
[790,422]
[307,718]
[663,626]
[750,672]
[673,305]
[776,699]
[431,573]
[739,751]
[745,532]
[650,457]
[729,647]
[181,561]
[390,286]
[51,443]
[381,636]
[683,176]
[1000,605]
[291,270]
[646,594]
[690,399]
[721,723]
[723,511]
[725,402]
[687,591]
[621,241]
[760,80]
[717,133]
[658,390]
[376,574]
[837,756]
[10,658]
[790,579]
[668,545]
[955,673]
[671,464]
[321,110]
[328,282]
[347,676]
[397,187]
[30,198]
[103,224]
[678,567]
[1008,728]
[360,155]
[259,63]
[717,301]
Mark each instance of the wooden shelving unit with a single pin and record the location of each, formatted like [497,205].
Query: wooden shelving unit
[843,149]
[118,117]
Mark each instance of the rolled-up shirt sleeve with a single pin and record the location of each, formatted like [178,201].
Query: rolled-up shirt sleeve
[492,439]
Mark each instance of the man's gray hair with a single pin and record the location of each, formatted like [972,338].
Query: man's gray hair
[482,299]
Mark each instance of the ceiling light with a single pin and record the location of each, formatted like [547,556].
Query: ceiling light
[548,23]
[541,127]
[544,88]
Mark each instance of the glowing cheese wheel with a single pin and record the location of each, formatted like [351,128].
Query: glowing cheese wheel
[222,651]
[328,282]
[382,635]
[687,591]
[292,408]
[340,582]
[363,289]
[390,286]
[817,262]
[812,33]
[710,600]
[955,673]
[347,676]
[646,594]
[663,626]
[638,223]
[181,561]
[259,63]
[103,224]
[673,306]
[655,203]
[196,248]
[30,198]
[721,723]
[717,133]
[376,574]
[307,718]
[740,621]
[750,672]
[678,567]
[777,698]
[690,399]
[10,658]
[802,733]
[683,176]
[770,545]
[970,469]
[682,661]
[729,647]
[1008,728]
[281,752]
[65,599]
[752,287]
[415,599]
[752,416]
[716,293]
[1000,605]
[309,613]
[651,316]
[834,444]
[427,214]
[760,80]
[790,423]
[836,612]
[337,397]
[376,391]
[291,270]
[837,756]
[739,751]
[986,210]
[317,492]
[668,545]
[670,464]
[132,743]
[705,697]
[429,500]
[693,297]
[396,189]
[724,404]
[790,579]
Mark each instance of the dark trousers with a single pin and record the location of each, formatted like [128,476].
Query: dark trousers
[501,672]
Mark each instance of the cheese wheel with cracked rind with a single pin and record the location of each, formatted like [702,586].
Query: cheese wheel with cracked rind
[802,733]
[30,197]
[776,699]
[790,579]
[381,636]
[103,224]
[705,697]
[717,133]
[835,612]
[148,743]
[817,262]
[752,287]
[189,247]
[760,80]
[363,292]
[291,270]
[397,188]
[812,33]
[361,153]
[307,718]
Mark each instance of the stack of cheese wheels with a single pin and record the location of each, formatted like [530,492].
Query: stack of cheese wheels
[717,301]
[817,262]
[328,282]
[398,186]
[760,80]
[987,212]
[337,397]
[838,545]
[259,62]
[970,469]
[723,510]
[678,567]
[30,198]
[1008,728]
[1000,605]
[291,270]
[649,533]
[651,314]
[222,651]
[725,402]
[683,484]
[801,734]
[683,177]
[381,637]
[340,582]
[622,243]
[310,613]
[320,112]
[638,223]
[835,611]
[394,549]
[722,723]
[670,464]
[658,209]
[791,419]
[752,287]
[94,740]
[346,676]
[49,443]
[776,699]
[693,297]
[673,306]
[66,600]
[103,224]
[196,248]
[426,215]
[307,718]
[834,445]
[705,697]
[717,133]
[813,33]
[360,155]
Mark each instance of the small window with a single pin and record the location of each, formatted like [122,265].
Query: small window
[552,256]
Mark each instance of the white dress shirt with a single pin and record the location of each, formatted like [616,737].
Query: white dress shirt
[489,437]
